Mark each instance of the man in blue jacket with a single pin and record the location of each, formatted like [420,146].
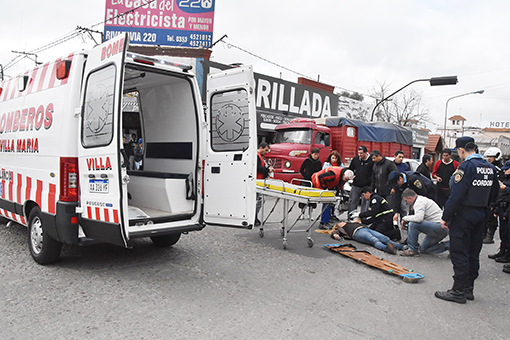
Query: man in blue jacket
[474,187]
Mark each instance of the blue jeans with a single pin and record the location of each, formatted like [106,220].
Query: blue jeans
[374,238]
[326,213]
[431,243]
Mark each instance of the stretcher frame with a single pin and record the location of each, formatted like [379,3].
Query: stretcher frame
[287,197]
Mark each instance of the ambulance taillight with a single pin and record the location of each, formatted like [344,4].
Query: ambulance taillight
[63,69]
[68,179]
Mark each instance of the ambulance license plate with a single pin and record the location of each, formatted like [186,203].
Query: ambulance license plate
[98,186]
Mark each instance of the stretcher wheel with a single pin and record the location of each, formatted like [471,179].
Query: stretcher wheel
[261,233]
[284,244]
[310,242]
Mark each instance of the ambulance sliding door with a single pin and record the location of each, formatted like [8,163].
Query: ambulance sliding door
[230,167]
[103,181]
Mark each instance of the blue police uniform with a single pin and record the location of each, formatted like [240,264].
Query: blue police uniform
[474,186]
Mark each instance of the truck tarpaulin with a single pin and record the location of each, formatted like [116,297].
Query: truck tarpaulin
[375,132]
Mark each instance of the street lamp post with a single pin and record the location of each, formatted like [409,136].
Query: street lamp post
[446,109]
[436,81]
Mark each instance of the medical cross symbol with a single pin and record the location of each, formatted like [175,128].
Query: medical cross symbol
[97,107]
[229,122]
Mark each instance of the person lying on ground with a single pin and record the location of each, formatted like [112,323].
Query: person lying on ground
[361,233]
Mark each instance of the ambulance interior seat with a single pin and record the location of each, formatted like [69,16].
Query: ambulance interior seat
[170,133]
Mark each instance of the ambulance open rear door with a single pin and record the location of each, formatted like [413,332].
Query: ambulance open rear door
[230,167]
[103,180]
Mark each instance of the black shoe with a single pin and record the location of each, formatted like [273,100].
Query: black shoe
[390,249]
[503,259]
[506,269]
[498,254]
[257,222]
[324,226]
[469,293]
[453,295]
[404,242]
[333,218]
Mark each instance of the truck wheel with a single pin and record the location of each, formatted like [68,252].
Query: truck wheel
[43,248]
[166,240]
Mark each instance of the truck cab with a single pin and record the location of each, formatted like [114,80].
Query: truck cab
[292,145]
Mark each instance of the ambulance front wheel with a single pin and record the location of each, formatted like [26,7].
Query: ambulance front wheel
[166,240]
[43,248]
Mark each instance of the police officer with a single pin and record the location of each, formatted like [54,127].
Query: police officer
[379,215]
[493,156]
[474,187]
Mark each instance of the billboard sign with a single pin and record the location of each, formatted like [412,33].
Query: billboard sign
[278,101]
[179,23]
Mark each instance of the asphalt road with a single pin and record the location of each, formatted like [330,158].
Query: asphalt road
[224,283]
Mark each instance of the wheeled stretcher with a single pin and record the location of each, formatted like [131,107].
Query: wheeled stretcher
[290,192]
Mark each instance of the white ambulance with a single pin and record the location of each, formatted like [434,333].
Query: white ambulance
[63,163]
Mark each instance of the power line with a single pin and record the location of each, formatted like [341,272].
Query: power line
[230,44]
[77,32]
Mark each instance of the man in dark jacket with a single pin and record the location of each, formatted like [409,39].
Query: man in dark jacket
[310,166]
[424,168]
[379,215]
[362,168]
[380,172]
[493,155]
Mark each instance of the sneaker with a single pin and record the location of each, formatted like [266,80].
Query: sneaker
[409,252]
[453,295]
[506,268]
[333,218]
[390,249]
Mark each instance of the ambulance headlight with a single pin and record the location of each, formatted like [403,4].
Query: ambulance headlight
[287,164]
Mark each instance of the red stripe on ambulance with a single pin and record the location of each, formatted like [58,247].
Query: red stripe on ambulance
[38,193]
[51,198]
[106,215]
[18,188]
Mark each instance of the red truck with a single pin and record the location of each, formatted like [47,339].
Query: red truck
[294,141]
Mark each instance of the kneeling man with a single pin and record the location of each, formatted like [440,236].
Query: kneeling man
[427,220]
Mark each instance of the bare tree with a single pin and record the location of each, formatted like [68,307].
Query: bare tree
[404,108]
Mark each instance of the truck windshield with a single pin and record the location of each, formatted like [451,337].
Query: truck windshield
[299,136]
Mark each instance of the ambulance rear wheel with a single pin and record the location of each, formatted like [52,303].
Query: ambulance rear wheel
[43,248]
[166,240]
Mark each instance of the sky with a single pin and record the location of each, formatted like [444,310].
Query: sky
[353,45]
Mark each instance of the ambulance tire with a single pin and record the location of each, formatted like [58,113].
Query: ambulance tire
[165,241]
[43,248]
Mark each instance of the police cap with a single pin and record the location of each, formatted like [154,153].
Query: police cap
[506,166]
[462,141]
[393,177]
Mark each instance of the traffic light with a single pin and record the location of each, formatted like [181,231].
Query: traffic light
[438,81]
